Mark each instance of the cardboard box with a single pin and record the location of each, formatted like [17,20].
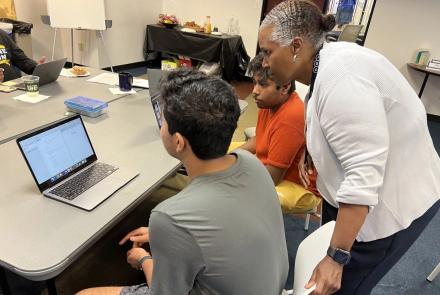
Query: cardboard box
[167,65]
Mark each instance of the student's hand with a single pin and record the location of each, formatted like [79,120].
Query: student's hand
[42,60]
[138,236]
[327,277]
[134,255]
[304,171]
[2,75]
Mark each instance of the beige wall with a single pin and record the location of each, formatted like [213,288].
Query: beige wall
[124,40]
[42,35]
[400,27]
[247,11]
[130,17]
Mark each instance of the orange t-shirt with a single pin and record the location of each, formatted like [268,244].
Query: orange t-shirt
[280,138]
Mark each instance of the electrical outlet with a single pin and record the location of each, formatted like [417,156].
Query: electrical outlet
[81,46]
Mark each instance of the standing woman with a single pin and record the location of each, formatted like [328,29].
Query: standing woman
[368,137]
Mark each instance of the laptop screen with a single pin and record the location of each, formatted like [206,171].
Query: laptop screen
[155,101]
[154,77]
[57,151]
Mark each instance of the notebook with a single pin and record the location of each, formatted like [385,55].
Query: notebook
[64,165]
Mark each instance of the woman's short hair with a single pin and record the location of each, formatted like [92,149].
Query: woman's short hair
[298,18]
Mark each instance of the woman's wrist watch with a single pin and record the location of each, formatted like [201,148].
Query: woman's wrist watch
[142,260]
[339,255]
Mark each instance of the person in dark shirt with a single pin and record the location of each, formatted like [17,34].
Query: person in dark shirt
[12,56]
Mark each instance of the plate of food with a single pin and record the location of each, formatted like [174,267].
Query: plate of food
[169,21]
[193,26]
[188,30]
[79,71]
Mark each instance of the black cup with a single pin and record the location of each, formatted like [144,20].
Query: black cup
[125,81]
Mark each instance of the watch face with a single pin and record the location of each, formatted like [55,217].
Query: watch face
[341,256]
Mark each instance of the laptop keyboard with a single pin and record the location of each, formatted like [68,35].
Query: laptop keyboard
[83,181]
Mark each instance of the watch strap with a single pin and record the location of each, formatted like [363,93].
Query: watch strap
[333,253]
[142,260]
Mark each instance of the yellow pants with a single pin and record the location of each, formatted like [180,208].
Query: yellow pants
[234,145]
[293,197]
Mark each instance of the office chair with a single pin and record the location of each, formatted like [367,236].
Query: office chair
[249,133]
[350,33]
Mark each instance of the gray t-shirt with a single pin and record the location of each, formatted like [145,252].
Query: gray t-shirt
[223,234]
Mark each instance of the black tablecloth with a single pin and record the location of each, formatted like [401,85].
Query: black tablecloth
[228,50]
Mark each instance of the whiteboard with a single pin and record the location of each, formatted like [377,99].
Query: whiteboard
[75,14]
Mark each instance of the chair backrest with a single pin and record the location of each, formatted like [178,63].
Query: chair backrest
[350,33]
[302,90]
[310,252]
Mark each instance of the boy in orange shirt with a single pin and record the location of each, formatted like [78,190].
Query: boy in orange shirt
[279,141]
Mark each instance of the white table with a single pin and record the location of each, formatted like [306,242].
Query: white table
[41,236]
[17,117]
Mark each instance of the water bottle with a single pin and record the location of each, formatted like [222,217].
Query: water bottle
[231,26]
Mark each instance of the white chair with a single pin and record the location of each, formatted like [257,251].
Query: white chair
[250,132]
[243,105]
[434,273]
[310,252]
[302,90]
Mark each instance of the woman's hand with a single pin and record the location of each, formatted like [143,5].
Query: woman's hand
[327,277]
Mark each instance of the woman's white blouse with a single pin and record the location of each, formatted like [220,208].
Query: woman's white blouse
[368,136]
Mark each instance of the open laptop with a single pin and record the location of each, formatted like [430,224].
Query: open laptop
[154,76]
[64,165]
[48,72]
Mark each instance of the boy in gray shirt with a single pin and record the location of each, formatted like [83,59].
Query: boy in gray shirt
[223,233]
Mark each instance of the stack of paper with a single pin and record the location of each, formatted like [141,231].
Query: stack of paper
[434,64]
[105,78]
[141,83]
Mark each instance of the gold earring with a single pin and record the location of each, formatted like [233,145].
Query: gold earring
[295,58]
